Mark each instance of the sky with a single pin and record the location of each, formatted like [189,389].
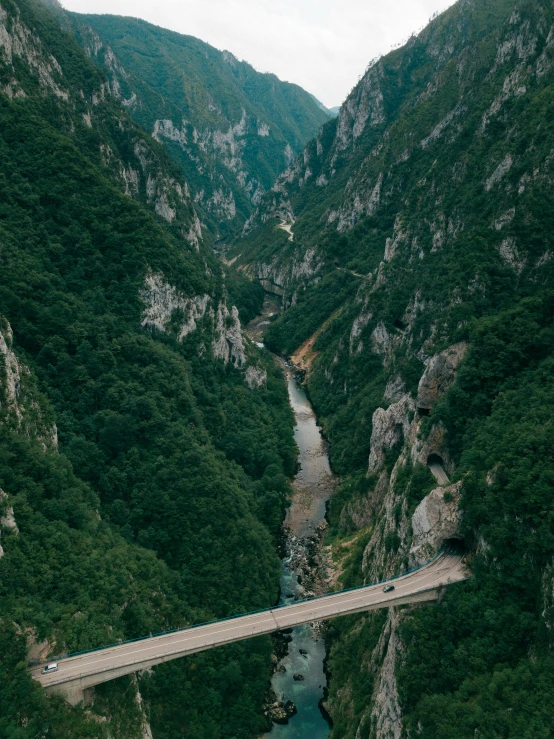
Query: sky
[322,45]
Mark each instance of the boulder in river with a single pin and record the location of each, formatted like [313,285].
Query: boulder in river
[298,677]
[280,713]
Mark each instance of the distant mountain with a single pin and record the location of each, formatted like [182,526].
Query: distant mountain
[231,129]
[331,112]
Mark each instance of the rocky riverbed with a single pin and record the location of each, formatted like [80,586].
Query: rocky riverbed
[299,682]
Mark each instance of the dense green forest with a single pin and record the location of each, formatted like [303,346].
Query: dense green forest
[144,481]
[160,502]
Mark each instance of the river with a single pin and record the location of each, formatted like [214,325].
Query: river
[301,574]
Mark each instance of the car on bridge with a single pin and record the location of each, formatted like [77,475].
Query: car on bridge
[388,588]
[52,667]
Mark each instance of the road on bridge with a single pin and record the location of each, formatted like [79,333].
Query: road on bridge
[75,674]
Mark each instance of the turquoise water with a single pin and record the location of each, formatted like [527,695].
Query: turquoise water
[312,483]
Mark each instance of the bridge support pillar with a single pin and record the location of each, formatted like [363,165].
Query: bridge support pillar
[73,692]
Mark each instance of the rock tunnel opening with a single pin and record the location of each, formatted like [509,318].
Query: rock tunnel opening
[424,411]
[436,465]
[454,545]
[435,459]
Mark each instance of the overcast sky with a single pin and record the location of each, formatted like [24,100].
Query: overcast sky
[322,45]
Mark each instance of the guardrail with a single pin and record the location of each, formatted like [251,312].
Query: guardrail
[68,655]
[210,644]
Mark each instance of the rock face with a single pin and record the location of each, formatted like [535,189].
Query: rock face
[162,299]
[17,400]
[436,519]
[220,326]
[389,429]
[402,538]
[386,714]
[145,728]
[9,403]
[7,520]
[548,600]
[439,375]
[255,377]
[228,343]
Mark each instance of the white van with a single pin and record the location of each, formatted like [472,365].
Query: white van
[52,667]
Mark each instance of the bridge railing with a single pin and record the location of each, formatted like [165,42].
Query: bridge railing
[68,655]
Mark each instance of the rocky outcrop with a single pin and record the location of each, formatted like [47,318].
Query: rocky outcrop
[228,343]
[37,650]
[146,731]
[255,377]
[363,107]
[386,714]
[163,301]
[436,519]
[548,600]
[19,403]
[12,373]
[278,712]
[7,520]
[390,428]
[439,375]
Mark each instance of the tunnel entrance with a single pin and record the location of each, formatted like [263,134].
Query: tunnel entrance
[454,546]
[436,465]
[424,411]
[435,459]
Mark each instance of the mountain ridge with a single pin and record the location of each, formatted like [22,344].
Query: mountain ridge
[230,128]
[418,283]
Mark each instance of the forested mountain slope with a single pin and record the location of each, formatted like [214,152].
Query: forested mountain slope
[145,444]
[231,129]
[419,293]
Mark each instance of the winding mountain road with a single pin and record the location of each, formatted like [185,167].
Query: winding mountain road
[288,228]
[77,673]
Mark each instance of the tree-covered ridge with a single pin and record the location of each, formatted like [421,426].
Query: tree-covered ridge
[157,500]
[460,224]
[45,64]
[231,129]
[422,220]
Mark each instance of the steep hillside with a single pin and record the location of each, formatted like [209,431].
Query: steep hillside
[145,442]
[231,129]
[417,275]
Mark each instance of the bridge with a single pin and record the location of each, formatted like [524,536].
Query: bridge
[78,672]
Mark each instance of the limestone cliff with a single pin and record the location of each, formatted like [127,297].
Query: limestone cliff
[219,329]
[231,129]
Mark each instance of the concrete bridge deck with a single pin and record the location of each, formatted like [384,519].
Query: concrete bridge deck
[77,673]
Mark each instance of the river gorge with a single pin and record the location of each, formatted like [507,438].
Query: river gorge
[299,681]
